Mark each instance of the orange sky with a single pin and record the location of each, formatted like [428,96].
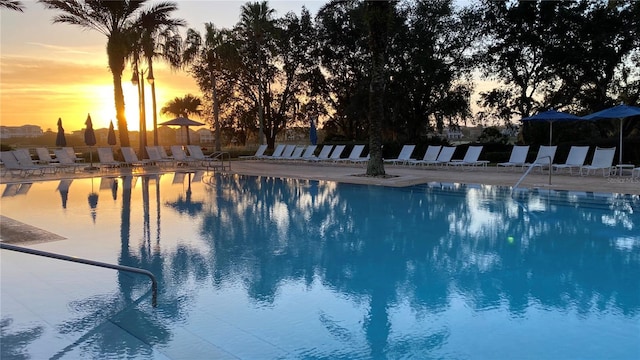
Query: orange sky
[50,71]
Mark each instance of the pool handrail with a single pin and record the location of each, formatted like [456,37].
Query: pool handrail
[154,282]
[529,170]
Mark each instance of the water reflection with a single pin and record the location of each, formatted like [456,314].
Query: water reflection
[398,260]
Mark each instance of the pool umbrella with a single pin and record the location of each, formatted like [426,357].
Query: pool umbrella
[621,112]
[313,134]
[111,135]
[93,202]
[183,122]
[551,116]
[90,139]
[61,140]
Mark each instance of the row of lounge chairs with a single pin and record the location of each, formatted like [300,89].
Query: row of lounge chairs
[328,153]
[20,162]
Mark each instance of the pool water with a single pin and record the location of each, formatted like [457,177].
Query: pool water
[268,268]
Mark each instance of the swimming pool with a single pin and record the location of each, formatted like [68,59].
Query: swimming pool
[267,268]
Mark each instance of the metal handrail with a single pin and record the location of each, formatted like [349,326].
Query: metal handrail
[154,283]
[529,170]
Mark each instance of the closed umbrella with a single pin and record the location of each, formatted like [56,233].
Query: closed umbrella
[551,116]
[90,140]
[111,135]
[183,122]
[617,112]
[313,134]
[61,140]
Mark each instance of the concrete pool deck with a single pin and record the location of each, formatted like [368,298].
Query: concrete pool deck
[398,176]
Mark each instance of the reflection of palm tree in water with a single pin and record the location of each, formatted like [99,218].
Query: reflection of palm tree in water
[14,343]
[186,204]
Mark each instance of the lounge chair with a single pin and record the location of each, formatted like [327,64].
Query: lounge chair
[575,159]
[635,173]
[323,155]
[470,158]
[44,158]
[24,159]
[130,157]
[404,157]
[213,160]
[107,161]
[65,161]
[297,153]
[277,152]
[444,157]
[155,157]
[72,154]
[309,152]
[544,157]
[336,153]
[430,156]
[12,165]
[518,157]
[354,156]
[602,160]
[259,153]
[181,157]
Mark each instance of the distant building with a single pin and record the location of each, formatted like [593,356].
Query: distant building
[206,136]
[27,131]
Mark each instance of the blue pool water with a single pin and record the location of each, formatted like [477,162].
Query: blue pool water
[266,268]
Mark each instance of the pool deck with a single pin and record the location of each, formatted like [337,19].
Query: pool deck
[398,176]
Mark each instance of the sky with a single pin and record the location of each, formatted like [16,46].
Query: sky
[50,71]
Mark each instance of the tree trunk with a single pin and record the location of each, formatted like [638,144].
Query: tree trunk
[216,110]
[378,19]
[118,95]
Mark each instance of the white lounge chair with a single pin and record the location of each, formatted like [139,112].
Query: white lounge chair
[602,160]
[24,159]
[11,164]
[518,157]
[44,158]
[181,157]
[444,157]
[575,159]
[65,161]
[354,156]
[277,152]
[131,158]
[404,157]
[309,152]
[324,154]
[291,152]
[107,161]
[337,152]
[72,154]
[213,160]
[470,158]
[544,157]
[430,156]
[259,153]
[155,157]
[635,173]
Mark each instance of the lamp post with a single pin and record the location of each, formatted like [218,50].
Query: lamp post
[138,80]
[152,81]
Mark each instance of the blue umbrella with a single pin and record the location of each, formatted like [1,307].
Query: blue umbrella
[61,140]
[550,116]
[313,135]
[621,112]
[90,139]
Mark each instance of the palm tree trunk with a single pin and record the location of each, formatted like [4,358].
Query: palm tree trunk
[216,110]
[378,15]
[118,96]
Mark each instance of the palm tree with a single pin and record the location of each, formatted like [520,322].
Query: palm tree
[12,5]
[378,19]
[256,21]
[183,106]
[214,53]
[159,38]
[115,20]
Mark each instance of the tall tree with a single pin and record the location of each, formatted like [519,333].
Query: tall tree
[378,19]
[113,19]
[214,57]
[159,39]
[257,26]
